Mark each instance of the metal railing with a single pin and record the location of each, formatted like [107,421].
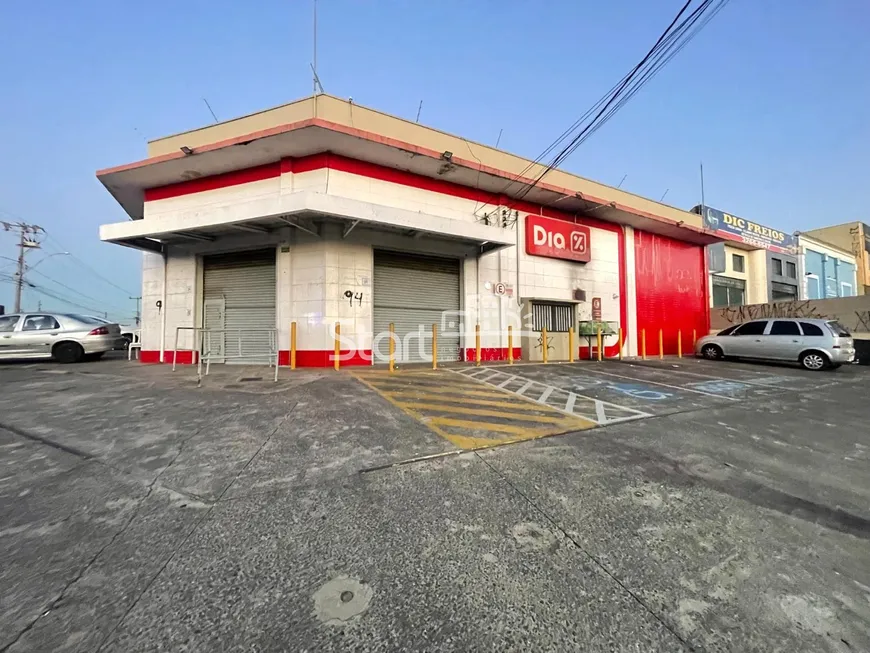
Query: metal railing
[207,347]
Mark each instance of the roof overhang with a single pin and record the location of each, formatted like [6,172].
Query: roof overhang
[306,211]
[311,134]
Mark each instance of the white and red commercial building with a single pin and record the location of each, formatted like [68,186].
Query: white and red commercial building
[322,211]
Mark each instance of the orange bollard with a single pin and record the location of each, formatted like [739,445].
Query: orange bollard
[661,348]
[293,345]
[599,343]
[337,355]
[643,343]
[621,342]
[510,345]
[477,344]
[392,348]
[434,346]
[544,343]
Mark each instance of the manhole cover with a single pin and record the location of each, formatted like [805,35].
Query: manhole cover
[251,378]
[342,600]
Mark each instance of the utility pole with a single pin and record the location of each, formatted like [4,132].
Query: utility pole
[138,310]
[26,241]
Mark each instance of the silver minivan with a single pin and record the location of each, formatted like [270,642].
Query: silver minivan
[65,337]
[814,343]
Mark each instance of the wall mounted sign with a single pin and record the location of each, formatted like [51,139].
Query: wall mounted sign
[731,227]
[596,309]
[557,239]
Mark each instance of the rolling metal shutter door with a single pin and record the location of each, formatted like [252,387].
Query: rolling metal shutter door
[246,283]
[413,292]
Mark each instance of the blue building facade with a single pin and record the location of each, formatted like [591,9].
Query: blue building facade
[827,272]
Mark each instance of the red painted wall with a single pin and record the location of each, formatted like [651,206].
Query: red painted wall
[671,278]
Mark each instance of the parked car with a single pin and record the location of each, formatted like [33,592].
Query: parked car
[127,332]
[65,337]
[816,344]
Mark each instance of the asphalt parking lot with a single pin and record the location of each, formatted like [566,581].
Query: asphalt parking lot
[646,506]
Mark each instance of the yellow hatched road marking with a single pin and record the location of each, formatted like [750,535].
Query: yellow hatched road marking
[403,396]
[442,390]
[488,426]
[454,406]
[482,412]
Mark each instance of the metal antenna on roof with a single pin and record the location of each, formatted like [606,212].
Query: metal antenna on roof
[662,198]
[622,180]
[314,64]
[210,110]
[317,84]
[498,140]
[419,109]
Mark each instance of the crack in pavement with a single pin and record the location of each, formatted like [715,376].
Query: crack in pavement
[659,618]
[193,529]
[53,603]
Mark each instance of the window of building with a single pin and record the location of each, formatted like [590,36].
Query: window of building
[728,292]
[752,328]
[783,292]
[811,329]
[846,289]
[39,323]
[777,266]
[783,328]
[790,270]
[738,262]
[554,318]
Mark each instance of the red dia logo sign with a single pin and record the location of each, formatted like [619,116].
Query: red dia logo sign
[557,239]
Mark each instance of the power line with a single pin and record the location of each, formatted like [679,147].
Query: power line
[77,292]
[87,267]
[48,293]
[665,48]
[599,106]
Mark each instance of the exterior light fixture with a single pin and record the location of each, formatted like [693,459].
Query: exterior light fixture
[447,156]
[187,151]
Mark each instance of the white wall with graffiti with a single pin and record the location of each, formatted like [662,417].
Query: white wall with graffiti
[852,312]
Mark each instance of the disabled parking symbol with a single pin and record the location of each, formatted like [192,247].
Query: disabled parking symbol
[640,391]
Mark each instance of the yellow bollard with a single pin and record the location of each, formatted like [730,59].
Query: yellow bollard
[292,345]
[661,351]
[337,346]
[571,345]
[434,346]
[510,345]
[598,344]
[621,343]
[544,343]
[643,343]
[392,348]
[477,344]
[679,343]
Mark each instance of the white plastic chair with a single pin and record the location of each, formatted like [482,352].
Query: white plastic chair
[135,344]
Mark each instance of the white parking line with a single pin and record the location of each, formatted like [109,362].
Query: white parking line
[719,378]
[551,396]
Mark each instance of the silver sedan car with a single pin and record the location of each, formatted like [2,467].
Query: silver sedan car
[816,344]
[65,337]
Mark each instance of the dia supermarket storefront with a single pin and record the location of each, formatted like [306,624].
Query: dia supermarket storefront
[324,213]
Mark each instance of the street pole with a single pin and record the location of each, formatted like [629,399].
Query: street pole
[19,276]
[138,310]
[24,243]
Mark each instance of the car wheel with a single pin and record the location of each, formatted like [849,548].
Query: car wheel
[814,360]
[68,352]
[711,352]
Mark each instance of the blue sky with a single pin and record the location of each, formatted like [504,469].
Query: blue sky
[772,96]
